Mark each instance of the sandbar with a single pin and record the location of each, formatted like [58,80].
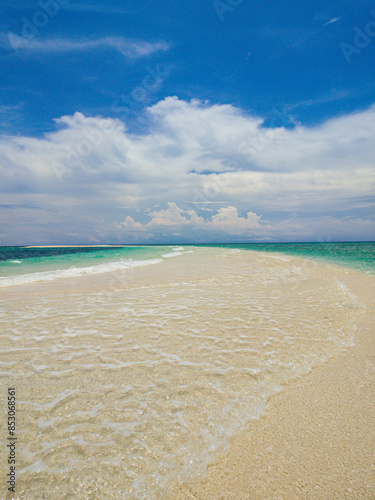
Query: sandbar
[317,438]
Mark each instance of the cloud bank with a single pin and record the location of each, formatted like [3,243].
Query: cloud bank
[199,172]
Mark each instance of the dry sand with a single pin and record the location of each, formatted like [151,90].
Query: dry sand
[317,439]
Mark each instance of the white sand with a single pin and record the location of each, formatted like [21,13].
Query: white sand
[317,439]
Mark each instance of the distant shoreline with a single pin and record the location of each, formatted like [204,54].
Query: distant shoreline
[79,246]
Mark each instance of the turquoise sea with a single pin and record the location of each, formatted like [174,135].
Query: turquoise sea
[19,265]
[358,255]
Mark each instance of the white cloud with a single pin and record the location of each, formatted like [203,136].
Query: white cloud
[173,216]
[226,221]
[193,155]
[130,225]
[132,49]
[333,20]
[140,6]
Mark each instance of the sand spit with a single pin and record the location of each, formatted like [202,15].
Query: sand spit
[317,438]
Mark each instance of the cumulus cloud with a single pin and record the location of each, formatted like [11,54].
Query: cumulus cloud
[226,220]
[173,216]
[117,185]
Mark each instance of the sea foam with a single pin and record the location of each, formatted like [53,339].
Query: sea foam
[73,272]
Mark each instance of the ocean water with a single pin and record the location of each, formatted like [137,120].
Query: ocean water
[25,263]
[125,391]
[358,255]
[21,265]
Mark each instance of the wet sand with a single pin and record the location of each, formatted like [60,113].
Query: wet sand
[317,439]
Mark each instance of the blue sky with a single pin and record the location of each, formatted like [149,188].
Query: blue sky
[155,121]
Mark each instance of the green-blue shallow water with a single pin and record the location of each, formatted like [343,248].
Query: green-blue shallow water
[358,255]
[19,265]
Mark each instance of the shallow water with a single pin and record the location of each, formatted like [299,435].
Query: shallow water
[123,393]
[22,265]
